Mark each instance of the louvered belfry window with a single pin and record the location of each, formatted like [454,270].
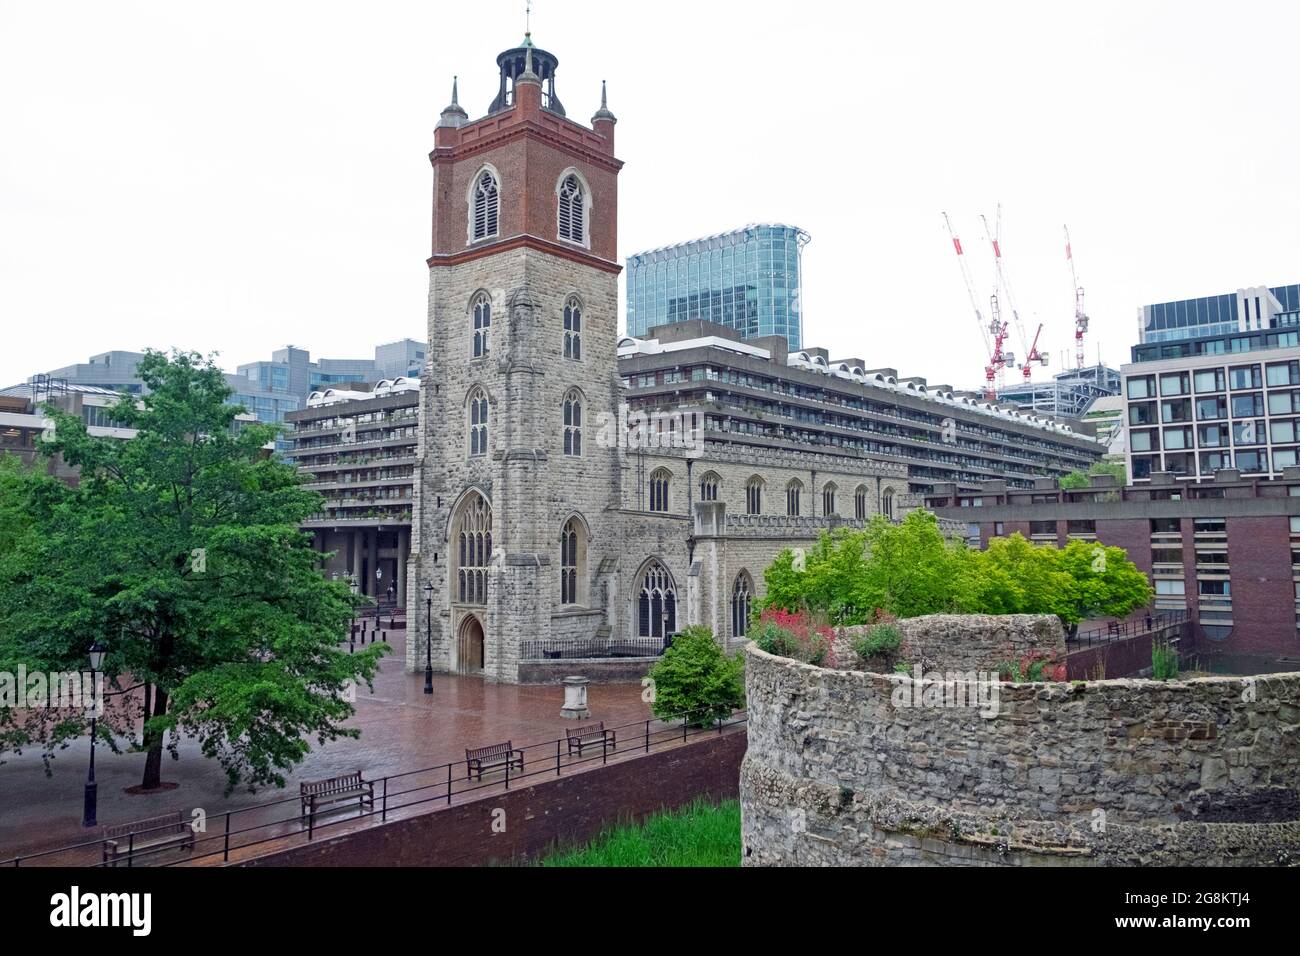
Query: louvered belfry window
[572,210]
[487,203]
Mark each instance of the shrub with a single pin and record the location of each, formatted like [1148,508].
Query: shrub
[695,676]
[883,640]
[1031,669]
[795,635]
[1164,662]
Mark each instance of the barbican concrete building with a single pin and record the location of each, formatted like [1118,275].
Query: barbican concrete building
[573,508]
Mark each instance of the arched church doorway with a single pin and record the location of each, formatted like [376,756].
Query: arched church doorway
[469,646]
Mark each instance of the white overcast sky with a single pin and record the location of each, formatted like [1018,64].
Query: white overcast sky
[238,176]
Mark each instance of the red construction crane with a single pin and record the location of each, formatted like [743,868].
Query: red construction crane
[1080,317]
[996,327]
[1032,355]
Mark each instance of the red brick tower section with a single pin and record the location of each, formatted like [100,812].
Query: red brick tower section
[530,146]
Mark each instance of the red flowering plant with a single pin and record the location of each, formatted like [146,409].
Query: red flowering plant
[796,634]
[1032,668]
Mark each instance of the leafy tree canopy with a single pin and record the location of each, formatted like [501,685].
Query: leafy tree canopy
[180,550]
[909,569]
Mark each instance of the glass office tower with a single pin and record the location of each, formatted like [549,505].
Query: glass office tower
[1244,310]
[747,280]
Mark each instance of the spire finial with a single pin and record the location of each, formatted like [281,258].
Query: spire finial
[453,116]
[603,113]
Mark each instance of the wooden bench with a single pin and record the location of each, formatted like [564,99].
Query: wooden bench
[346,788]
[589,735]
[479,760]
[147,836]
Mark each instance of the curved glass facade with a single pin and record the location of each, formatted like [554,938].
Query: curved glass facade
[747,280]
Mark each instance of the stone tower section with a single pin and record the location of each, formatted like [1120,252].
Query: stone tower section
[516,504]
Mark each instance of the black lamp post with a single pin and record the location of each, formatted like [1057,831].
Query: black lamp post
[90,810]
[428,638]
[355,587]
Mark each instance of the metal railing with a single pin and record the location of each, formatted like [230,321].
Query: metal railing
[1123,630]
[247,832]
[545,650]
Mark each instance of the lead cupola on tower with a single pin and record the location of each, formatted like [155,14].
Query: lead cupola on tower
[515,64]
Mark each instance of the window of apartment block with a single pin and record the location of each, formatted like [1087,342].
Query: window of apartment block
[1215,526]
[1165,526]
[1244,376]
[1177,438]
[1282,431]
[1283,373]
[1173,383]
[1245,406]
[1283,403]
[1210,380]
[1178,410]
[1142,414]
[1211,408]
[1168,555]
[1080,526]
[1180,463]
[1143,465]
[1168,587]
[1212,436]
[1042,527]
[1142,387]
[1284,458]
[1144,440]
[1212,461]
[1252,460]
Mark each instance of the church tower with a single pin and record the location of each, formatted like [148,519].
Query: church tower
[515,515]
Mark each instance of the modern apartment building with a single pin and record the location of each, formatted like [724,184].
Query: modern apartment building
[754,393]
[747,280]
[1255,308]
[1227,550]
[359,449]
[1198,405]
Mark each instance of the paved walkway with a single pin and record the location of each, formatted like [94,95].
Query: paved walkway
[401,729]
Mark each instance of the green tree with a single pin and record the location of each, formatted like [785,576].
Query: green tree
[180,549]
[1105,582]
[1017,577]
[1082,479]
[908,568]
[695,676]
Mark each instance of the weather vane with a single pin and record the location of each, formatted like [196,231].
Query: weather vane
[528,17]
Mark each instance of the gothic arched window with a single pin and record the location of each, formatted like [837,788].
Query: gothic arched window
[485,208]
[477,415]
[860,503]
[660,482]
[572,210]
[709,486]
[887,504]
[828,499]
[792,493]
[657,603]
[471,543]
[481,313]
[573,423]
[754,496]
[573,329]
[742,596]
[573,560]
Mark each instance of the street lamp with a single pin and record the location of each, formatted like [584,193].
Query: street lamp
[88,814]
[428,638]
[354,586]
